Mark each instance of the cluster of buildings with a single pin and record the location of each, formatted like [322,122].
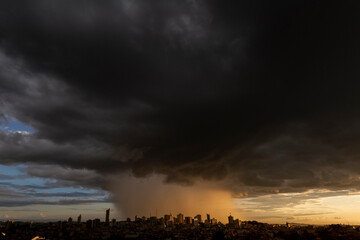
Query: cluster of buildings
[170,227]
[183,227]
[169,220]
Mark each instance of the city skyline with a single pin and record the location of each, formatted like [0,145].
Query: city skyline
[169,226]
[193,106]
[178,218]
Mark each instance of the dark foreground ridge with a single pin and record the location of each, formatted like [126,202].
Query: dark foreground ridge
[170,227]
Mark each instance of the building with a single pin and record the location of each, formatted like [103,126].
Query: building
[153,220]
[180,218]
[107,219]
[113,222]
[96,223]
[89,224]
[169,219]
[198,218]
[188,220]
[208,218]
[70,220]
[237,223]
[231,219]
[79,220]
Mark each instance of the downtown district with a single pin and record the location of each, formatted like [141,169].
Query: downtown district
[170,227]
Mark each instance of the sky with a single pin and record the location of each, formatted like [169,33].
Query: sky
[242,107]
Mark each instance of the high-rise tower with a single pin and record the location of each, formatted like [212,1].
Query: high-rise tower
[231,219]
[180,218]
[107,219]
[79,220]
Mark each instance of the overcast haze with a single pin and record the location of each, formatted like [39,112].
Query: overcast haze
[246,99]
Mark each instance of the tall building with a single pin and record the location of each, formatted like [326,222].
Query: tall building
[198,218]
[70,220]
[208,218]
[231,219]
[237,223]
[180,218]
[79,220]
[107,219]
[169,219]
[188,220]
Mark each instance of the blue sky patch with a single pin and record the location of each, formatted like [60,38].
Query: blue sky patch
[13,125]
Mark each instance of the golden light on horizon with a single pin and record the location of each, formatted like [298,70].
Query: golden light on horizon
[136,196]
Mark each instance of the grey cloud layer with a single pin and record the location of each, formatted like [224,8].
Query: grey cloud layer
[14,195]
[261,95]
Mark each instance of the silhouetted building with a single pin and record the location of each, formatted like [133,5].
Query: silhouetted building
[107,219]
[237,223]
[113,222]
[96,223]
[188,220]
[180,218]
[70,220]
[208,218]
[198,218]
[169,219]
[79,220]
[231,219]
[89,224]
[153,220]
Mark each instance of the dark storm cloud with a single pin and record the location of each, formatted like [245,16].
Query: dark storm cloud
[261,94]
